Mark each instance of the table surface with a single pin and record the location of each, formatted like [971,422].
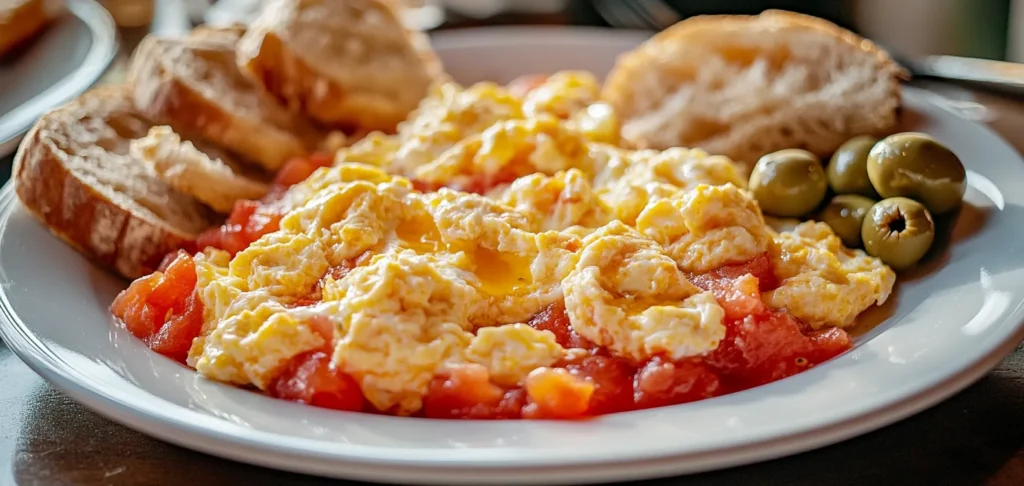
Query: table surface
[976,437]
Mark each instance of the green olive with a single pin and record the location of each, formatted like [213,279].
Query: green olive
[847,172]
[845,214]
[899,231]
[788,183]
[915,165]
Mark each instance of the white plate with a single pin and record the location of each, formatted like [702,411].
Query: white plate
[68,58]
[946,330]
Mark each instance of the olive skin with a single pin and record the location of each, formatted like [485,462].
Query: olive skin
[847,171]
[845,215]
[899,231]
[788,183]
[916,166]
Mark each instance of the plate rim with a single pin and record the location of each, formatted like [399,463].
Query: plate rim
[94,64]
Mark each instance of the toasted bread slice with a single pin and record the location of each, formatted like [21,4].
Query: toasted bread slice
[194,86]
[22,20]
[744,86]
[185,168]
[346,63]
[74,173]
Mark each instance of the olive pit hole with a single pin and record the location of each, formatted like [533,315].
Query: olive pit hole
[898,224]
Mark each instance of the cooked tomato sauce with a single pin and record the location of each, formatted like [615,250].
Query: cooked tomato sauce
[163,309]
[477,184]
[761,345]
[311,378]
[249,220]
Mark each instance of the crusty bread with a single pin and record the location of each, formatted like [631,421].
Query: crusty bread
[74,173]
[194,85]
[346,63]
[744,86]
[188,170]
[22,20]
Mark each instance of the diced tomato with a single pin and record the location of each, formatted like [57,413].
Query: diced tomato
[481,183]
[760,267]
[827,344]
[163,309]
[299,169]
[131,308]
[466,392]
[339,272]
[249,220]
[521,86]
[311,378]
[177,284]
[174,339]
[761,345]
[737,300]
[421,186]
[305,302]
[740,298]
[661,382]
[556,393]
[168,260]
[613,382]
[762,349]
[553,318]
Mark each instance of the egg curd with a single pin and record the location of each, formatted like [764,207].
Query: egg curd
[434,249]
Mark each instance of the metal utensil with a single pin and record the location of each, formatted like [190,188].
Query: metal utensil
[999,76]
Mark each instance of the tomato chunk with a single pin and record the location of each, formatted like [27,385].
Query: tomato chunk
[661,382]
[762,349]
[827,344]
[481,183]
[760,267]
[311,378]
[163,309]
[553,318]
[555,393]
[612,379]
[466,392]
[176,285]
[174,339]
[131,307]
[299,169]
[249,220]
[523,85]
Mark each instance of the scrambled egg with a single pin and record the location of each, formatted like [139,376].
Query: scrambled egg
[388,260]
[823,283]
[627,295]
[706,228]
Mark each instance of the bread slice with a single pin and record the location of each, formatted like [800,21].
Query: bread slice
[346,63]
[73,172]
[744,86]
[188,170]
[22,20]
[194,86]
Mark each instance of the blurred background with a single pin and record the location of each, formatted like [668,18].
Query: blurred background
[991,29]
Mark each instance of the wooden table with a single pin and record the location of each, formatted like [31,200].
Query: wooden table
[976,437]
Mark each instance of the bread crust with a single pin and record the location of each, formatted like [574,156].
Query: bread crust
[163,97]
[190,171]
[295,68]
[123,240]
[620,87]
